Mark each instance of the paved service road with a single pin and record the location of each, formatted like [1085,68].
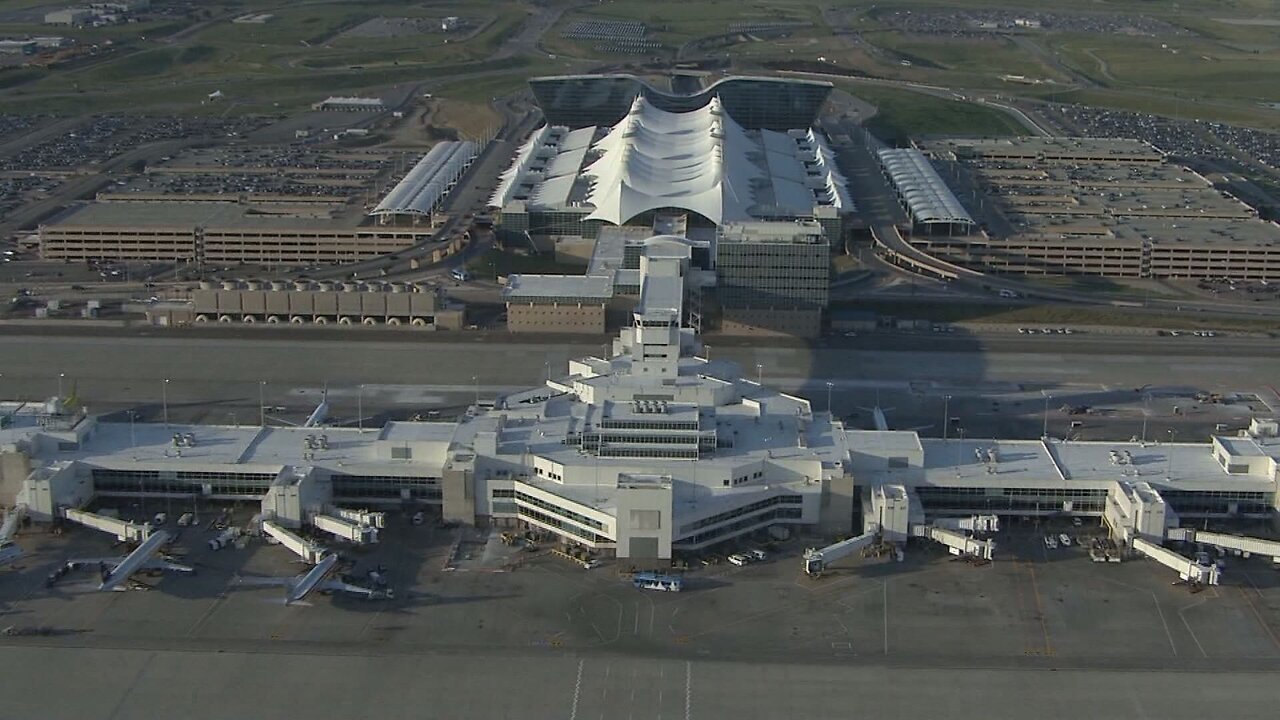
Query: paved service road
[267,683]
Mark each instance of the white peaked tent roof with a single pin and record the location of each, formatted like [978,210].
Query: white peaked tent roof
[697,161]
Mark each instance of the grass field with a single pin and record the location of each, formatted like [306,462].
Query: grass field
[976,55]
[1193,67]
[903,114]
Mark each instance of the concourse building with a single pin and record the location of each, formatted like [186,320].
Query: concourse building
[648,450]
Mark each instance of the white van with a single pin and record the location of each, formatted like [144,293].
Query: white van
[738,559]
[460,274]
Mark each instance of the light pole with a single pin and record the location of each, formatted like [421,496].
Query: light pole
[360,409]
[946,415]
[164,400]
[1169,455]
[133,440]
[760,374]
[476,386]
[262,403]
[1044,431]
[60,376]
[829,386]
[1145,411]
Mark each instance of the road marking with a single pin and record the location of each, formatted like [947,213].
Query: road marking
[1163,622]
[577,690]
[636,629]
[1044,628]
[688,690]
[886,616]
[1187,624]
[1265,625]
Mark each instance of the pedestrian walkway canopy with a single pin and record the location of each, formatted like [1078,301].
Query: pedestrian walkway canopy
[921,189]
[427,184]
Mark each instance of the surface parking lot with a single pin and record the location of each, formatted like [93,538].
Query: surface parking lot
[1032,602]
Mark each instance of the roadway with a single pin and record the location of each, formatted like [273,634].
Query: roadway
[216,377]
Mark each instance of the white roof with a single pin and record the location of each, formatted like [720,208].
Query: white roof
[927,196]
[701,161]
[654,159]
[429,180]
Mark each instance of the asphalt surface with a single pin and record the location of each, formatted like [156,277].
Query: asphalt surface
[1040,632]
[1009,386]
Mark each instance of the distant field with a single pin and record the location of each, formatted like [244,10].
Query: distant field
[1194,67]
[903,114]
[982,55]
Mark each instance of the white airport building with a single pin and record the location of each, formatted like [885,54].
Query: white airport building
[652,451]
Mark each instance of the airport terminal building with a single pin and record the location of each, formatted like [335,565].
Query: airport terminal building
[648,452]
[757,103]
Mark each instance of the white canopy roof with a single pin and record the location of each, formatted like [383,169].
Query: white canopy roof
[429,180]
[695,161]
[701,161]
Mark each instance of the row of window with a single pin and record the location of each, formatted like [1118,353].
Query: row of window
[611,424]
[782,513]
[739,511]
[555,522]
[556,510]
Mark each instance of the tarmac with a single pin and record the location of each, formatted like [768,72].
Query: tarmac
[1042,632]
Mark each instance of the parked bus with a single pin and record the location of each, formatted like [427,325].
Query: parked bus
[655,581]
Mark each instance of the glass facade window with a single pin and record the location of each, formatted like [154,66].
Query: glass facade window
[580,519]
[773,275]
[385,486]
[744,510]
[754,102]
[180,481]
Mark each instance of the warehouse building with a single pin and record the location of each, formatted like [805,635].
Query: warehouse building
[300,302]
[1115,208]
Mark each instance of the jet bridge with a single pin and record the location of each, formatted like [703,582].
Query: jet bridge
[9,551]
[975,523]
[122,529]
[816,560]
[1244,544]
[1187,569]
[956,543]
[352,532]
[309,552]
